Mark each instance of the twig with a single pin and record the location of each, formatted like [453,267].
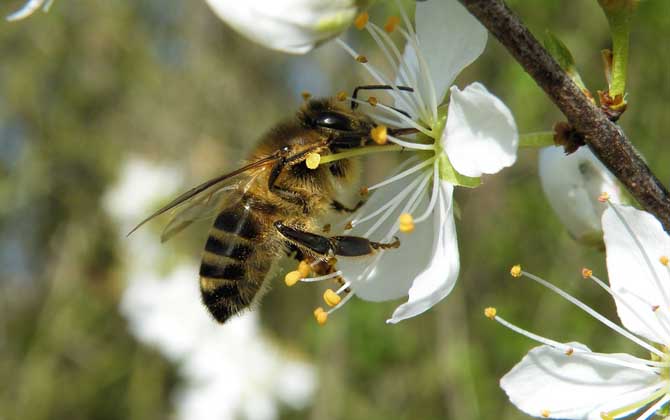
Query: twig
[607,141]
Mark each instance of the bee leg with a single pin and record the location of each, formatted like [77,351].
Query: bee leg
[346,246]
[337,206]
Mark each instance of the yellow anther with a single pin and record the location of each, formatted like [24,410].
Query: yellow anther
[364,191]
[545,413]
[569,351]
[331,298]
[664,260]
[362,59]
[304,269]
[305,95]
[515,271]
[320,315]
[348,226]
[373,101]
[312,160]
[604,197]
[379,134]
[490,312]
[292,278]
[391,23]
[587,273]
[406,223]
[341,96]
[361,20]
[655,307]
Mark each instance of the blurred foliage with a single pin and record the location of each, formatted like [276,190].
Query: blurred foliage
[91,83]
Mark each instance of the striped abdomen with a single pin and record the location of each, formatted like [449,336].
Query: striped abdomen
[232,271]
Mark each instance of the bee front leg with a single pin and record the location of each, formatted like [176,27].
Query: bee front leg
[346,246]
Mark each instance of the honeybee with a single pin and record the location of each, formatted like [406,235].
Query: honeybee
[270,207]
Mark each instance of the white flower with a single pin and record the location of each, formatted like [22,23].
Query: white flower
[229,372]
[568,380]
[476,135]
[571,184]
[29,8]
[293,26]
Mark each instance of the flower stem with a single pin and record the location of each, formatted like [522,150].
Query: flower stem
[620,28]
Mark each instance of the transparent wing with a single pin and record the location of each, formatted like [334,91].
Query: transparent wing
[204,192]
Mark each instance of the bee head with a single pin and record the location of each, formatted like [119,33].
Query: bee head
[344,127]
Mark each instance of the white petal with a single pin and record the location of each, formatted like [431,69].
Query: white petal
[572,185]
[450,39]
[294,26]
[396,268]
[573,387]
[481,136]
[28,9]
[439,278]
[637,271]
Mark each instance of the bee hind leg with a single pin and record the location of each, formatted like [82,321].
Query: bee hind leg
[346,246]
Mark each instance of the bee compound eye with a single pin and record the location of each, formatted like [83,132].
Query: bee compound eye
[333,121]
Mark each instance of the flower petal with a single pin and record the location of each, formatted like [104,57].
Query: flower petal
[450,39]
[572,185]
[439,278]
[574,387]
[294,26]
[481,136]
[390,274]
[635,242]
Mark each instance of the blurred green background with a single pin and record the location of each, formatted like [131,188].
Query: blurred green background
[90,84]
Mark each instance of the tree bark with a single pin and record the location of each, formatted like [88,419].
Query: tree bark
[606,139]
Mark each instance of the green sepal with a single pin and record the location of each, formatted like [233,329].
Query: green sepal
[449,174]
[563,56]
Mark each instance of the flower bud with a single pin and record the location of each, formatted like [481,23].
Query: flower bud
[572,185]
[292,26]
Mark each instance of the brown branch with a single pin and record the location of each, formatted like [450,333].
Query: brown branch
[607,141]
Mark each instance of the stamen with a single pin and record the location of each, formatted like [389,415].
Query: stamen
[396,202]
[312,160]
[363,192]
[593,313]
[604,197]
[344,300]
[379,134]
[399,197]
[651,411]
[412,145]
[321,316]
[545,413]
[402,117]
[305,95]
[587,273]
[414,200]
[490,312]
[321,278]
[341,96]
[515,271]
[361,59]
[633,406]
[292,278]
[403,174]
[391,23]
[373,101]
[359,152]
[331,298]
[361,20]
[664,260]
[406,223]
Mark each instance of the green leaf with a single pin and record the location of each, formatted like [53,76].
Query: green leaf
[563,56]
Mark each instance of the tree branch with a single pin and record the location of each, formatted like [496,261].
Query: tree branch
[607,141]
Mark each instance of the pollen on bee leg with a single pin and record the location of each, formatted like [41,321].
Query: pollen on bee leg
[379,134]
[320,315]
[292,278]
[545,413]
[304,269]
[361,59]
[391,23]
[341,96]
[331,298]
[305,95]
[603,197]
[664,260]
[490,312]
[515,271]
[361,20]
[587,273]
[406,223]
[312,160]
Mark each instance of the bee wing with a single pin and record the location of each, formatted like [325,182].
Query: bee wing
[202,207]
[206,189]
